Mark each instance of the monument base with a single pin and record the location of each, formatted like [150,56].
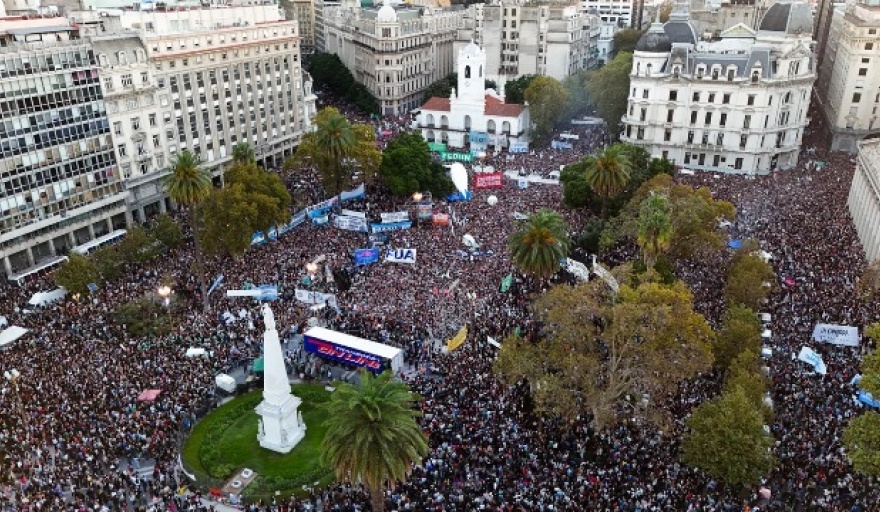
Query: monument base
[281,427]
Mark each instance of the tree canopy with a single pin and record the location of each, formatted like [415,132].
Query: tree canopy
[329,72]
[338,150]
[626,40]
[749,277]
[606,356]
[726,439]
[76,274]
[862,436]
[607,173]
[515,90]
[608,90]
[540,244]
[547,98]
[275,202]
[655,228]
[407,167]
[372,435]
[740,331]
[443,88]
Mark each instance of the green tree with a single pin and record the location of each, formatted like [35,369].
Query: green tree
[726,439]
[744,373]
[868,284]
[442,88]
[108,262]
[539,246]
[167,231]
[746,278]
[188,185]
[665,10]
[337,150]
[577,100]
[607,173]
[740,331]
[243,153]
[547,98]
[76,274]
[650,340]
[407,167]
[626,40]
[655,228]
[228,219]
[143,317]
[275,201]
[862,441]
[137,246]
[372,434]
[515,90]
[328,72]
[608,90]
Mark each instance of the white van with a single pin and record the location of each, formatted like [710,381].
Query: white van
[43,299]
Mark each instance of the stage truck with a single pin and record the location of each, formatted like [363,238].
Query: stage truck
[338,346]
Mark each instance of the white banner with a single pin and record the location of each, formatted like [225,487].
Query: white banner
[351,223]
[352,213]
[388,218]
[401,256]
[310,297]
[845,335]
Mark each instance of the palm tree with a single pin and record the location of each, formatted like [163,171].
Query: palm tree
[655,228]
[372,434]
[189,184]
[607,173]
[540,246]
[243,153]
[335,139]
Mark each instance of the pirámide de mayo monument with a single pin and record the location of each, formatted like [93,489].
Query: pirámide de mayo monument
[281,426]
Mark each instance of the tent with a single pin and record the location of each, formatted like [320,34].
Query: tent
[7,336]
[195,352]
[149,395]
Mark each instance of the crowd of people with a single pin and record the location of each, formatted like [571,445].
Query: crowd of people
[74,434]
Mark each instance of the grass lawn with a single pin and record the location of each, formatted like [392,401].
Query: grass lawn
[226,441]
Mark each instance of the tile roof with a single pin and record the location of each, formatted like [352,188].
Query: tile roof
[437,104]
[496,107]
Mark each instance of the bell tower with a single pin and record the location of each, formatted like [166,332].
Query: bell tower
[471,74]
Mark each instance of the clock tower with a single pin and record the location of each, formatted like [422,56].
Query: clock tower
[471,75]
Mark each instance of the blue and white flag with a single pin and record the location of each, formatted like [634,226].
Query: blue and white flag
[366,256]
[867,399]
[401,256]
[258,238]
[348,195]
[215,284]
[811,357]
[351,223]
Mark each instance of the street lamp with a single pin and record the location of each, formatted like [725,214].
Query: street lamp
[165,293]
[417,196]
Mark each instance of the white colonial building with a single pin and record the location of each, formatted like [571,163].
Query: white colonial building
[473,110]
[737,104]
[864,197]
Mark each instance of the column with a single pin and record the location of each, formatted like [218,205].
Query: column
[7,265]
[162,207]
[30,253]
[91,231]
[71,239]
[52,249]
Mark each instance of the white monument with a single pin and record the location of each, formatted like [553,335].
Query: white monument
[281,428]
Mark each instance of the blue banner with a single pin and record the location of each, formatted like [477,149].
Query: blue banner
[391,226]
[366,256]
[558,144]
[337,352]
[321,221]
[323,205]
[867,399]
[458,196]
[318,212]
[518,147]
[479,138]
[351,223]
[356,193]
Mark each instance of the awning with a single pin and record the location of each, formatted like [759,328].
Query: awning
[7,336]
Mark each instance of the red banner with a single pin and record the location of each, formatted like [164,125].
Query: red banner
[488,180]
[440,219]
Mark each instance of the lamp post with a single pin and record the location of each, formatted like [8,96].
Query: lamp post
[312,269]
[165,292]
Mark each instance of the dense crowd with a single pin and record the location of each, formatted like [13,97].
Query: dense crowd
[74,433]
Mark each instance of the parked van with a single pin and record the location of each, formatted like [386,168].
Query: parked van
[43,299]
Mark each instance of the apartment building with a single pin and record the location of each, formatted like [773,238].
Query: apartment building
[536,38]
[864,197]
[711,18]
[848,88]
[60,184]
[620,13]
[738,104]
[396,52]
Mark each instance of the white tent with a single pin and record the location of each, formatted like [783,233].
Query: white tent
[196,352]
[7,336]
[767,334]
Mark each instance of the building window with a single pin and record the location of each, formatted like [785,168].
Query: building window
[127,80]
[117,128]
[673,95]
[857,97]
[145,78]
[135,123]
[725,99]
[730,74]
[751,100]
[711,97]
[152,118]
[715,74]
[747,121]
[643,115]
[738,163]
[121,150]
[693,117]
[742,141]
[108,83]
[669,115]
[869,46]
[863,71]
[755,76]
[667,135]
[645,93]
[696,97]
[708,118]
[723,120]
[690,136]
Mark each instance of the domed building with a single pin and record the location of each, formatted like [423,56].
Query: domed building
[736,104]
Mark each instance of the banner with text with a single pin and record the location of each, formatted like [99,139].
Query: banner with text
[845,335]
[813,358]
[396,226]
[352,213]
[440,219]
[488,180]
[351,223]
[424,210]
[388,218]
[310,297]
[401,256]
[518,147]
[366,256]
